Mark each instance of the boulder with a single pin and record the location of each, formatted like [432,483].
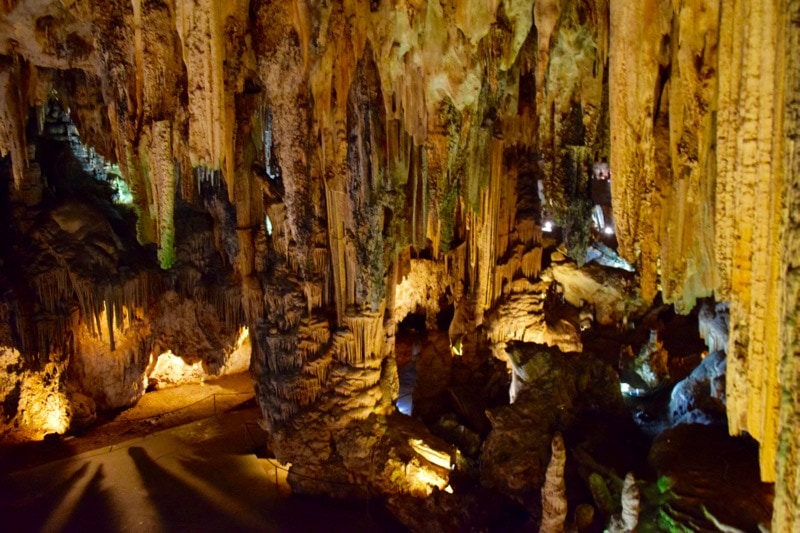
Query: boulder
[700,398]
[613,293]
[558,389]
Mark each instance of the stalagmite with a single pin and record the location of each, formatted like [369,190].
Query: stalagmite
[387,159]
[554,499]
[629,519]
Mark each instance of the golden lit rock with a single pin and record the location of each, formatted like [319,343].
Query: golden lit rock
[305,175]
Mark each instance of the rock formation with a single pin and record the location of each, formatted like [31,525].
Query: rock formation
[554,500]
[627,521]
[312,171]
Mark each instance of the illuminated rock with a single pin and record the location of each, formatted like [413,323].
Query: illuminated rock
[554,499]
[360,129]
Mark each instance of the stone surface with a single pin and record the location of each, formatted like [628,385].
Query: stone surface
[364,131]
[704,467]
[560,388]
[700,397]
[611,292]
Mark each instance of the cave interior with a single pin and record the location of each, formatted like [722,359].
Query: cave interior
[480,265]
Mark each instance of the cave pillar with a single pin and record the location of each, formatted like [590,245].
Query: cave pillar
[750,194]
[786,508]
[633,84]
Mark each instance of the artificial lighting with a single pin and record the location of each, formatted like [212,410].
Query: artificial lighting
[627,390]
[425,479]
[436,457]
[56,418]
[456,348]
[547,227]
[608,230]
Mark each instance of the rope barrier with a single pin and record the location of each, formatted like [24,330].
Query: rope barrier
[214,396]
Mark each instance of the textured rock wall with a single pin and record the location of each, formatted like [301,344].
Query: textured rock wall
[786,515]
[697,156]
[324,139]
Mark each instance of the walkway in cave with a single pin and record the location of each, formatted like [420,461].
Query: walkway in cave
[202,476]
[157,410]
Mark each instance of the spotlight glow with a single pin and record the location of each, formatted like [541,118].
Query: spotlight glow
[547,227]
[434,456]
[608,230]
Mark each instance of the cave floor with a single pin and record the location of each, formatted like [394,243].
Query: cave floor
[156,410]
[201,476]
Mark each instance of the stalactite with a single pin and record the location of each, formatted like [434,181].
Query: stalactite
[749,197]
[110,325]
[199,24]
[529,233]
[786,508]
[482,247]
[298,389]
[53,287]
[531,263]
[162,180]
[320,259]
[336,203]
[633,102]
[365,339]
[319,368]
[252,300]
[12,120]
[207,179]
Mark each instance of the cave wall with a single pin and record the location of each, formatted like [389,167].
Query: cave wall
[786,512]
[360,129]
[697,154]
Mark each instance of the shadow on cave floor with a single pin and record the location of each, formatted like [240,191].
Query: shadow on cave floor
[203,476]
[156,411]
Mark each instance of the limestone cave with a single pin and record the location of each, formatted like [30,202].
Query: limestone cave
[400,265]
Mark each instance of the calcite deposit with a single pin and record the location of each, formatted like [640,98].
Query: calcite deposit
[175,171]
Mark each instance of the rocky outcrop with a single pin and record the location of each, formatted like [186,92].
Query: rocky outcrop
[700,397]
[320,141]
[612,293]
[560,388]
[713,323]
[680,144]
[521,317]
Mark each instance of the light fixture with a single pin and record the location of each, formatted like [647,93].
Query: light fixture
[608,230]
[547,227]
